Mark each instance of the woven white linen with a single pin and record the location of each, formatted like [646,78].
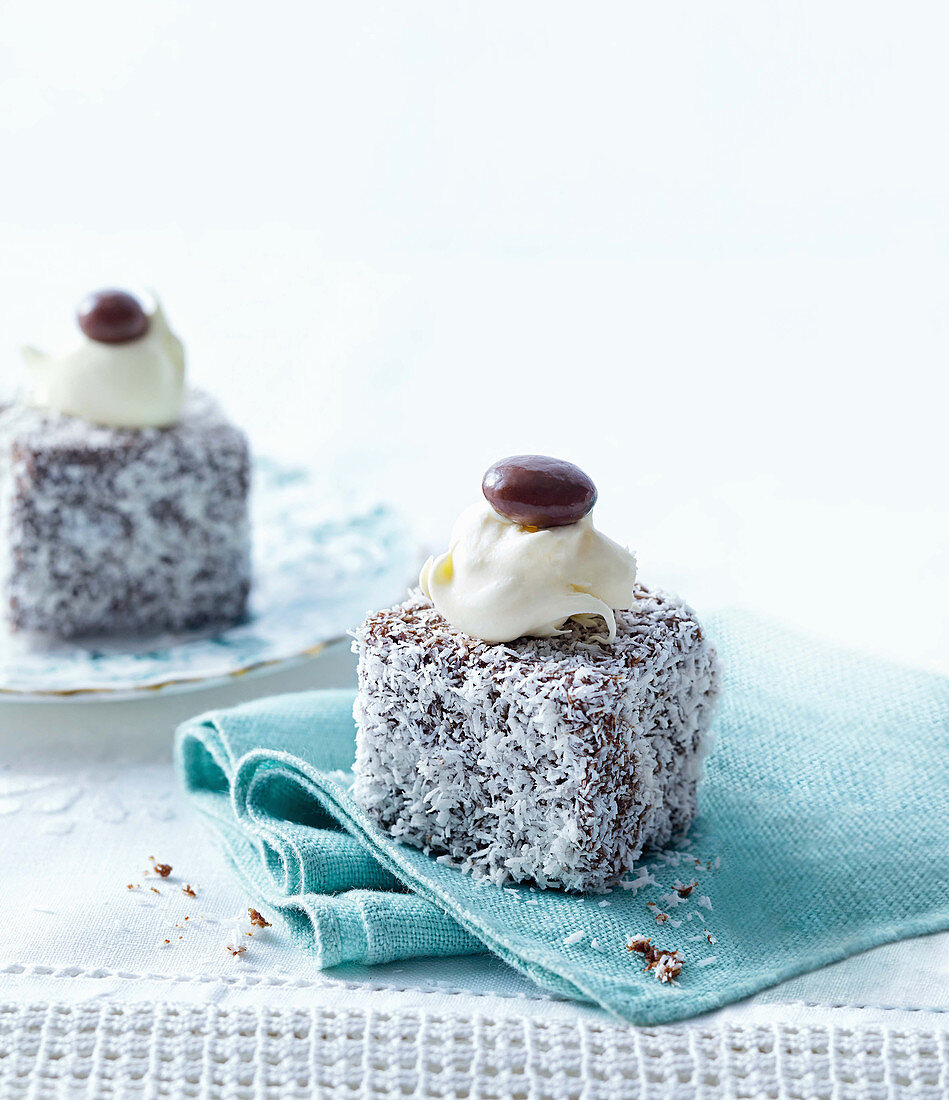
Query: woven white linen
[96,1003]
[162,1050]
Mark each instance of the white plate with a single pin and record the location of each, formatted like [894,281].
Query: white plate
[321,561]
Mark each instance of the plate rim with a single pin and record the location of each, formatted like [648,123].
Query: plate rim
[174,685]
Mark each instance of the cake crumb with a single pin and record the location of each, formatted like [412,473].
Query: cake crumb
[257,919]
[709,936]
[163,869]
[153,890]
[189,891]
[665,965]
[236,951]
[668,968]
[683,889]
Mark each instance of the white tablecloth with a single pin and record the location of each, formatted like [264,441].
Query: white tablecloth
[96,1003]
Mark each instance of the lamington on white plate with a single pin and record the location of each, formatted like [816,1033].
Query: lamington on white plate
[123,493]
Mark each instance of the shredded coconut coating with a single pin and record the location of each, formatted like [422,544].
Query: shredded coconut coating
[107,530]
[550,761]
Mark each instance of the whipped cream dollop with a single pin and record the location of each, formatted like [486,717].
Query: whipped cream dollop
[136,384]
[499,580]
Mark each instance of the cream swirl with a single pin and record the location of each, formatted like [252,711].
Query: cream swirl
[499,581]
[136,384]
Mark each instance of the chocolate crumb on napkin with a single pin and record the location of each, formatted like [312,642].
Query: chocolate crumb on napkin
[823,830]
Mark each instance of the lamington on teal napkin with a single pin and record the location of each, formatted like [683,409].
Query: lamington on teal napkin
[823,830]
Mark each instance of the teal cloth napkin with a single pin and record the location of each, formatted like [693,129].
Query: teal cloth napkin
[823,830]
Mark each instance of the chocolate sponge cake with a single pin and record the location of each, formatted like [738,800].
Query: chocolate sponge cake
[108,529]
[553,761]
[123,493]
[533,714]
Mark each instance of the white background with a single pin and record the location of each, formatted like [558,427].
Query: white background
[699,249]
